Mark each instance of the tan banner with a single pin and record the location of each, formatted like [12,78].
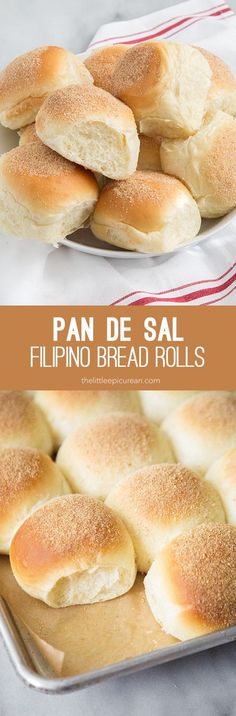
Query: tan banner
[105,348]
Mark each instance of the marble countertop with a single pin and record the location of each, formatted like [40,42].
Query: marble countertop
[203,684]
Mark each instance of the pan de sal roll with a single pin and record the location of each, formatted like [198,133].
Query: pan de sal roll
[159,502]
[222,92]
[22,423]
[148,212]
[190,587]
[28,79]
[202,428]
[73,550]
[67,410]
[42,195]
[166,85]
[27,135]
[206,164]
[28,478]
[149,154]
[102,65]
[89,126]
[95,457]
[222,474]
[157,404]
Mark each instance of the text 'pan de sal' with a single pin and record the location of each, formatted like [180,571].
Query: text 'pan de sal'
[157,404]
[206,163]
[22,423]
[67,410]
[202,428]
[222,91]
[166,85]
[73,550]
[28,79]
[28,478]
[161,501]
[42,195]
[91,127]
[102,65]
[222,474]
[149,212]
[190,587]
[97,456]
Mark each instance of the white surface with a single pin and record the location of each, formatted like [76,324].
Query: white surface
[37,274]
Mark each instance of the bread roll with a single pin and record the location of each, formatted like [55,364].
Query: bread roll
[202,429]
[190,587]
[97,456]
[159,502]
[28,478]
[42,195]
[222,474]
[222,91]
[206,164]
[28,135]
[28,79]
[73,550]
[149,154]
[90,127]
[67,410]
[149,212]
[22,424]
[166,85]
[157,404]
[102,65]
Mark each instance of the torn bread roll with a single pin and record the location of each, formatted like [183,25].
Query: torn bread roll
[28,478]
[67,410]
[90,127]
[222,91]
[148,212]
[22,423]
[190,587]
[149,158]
[73,550]
[157,404]
[42,195]
[159,502]
[97,456]
[202,428]
[222,474]
[102,65]
[28,79]
[206,164]
[166,85]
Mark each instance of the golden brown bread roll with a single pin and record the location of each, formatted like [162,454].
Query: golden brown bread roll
[222,474]
[222,91]
[190,587]
[159,502]
[28,135]
[148,212]
[28,79]
[102,65]
[73,550]
[22,423]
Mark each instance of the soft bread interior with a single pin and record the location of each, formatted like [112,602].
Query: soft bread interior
[93,585]
[99,147]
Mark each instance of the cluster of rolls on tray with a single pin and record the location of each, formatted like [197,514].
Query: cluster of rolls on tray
[96,486]
[136,143]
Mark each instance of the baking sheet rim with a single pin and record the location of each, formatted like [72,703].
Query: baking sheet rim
[20,657]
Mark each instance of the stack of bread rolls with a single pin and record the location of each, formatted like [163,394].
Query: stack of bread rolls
[138,143]
[95,486]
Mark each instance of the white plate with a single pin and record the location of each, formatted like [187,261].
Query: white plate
[83,240]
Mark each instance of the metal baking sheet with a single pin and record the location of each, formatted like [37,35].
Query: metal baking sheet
[61,650]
